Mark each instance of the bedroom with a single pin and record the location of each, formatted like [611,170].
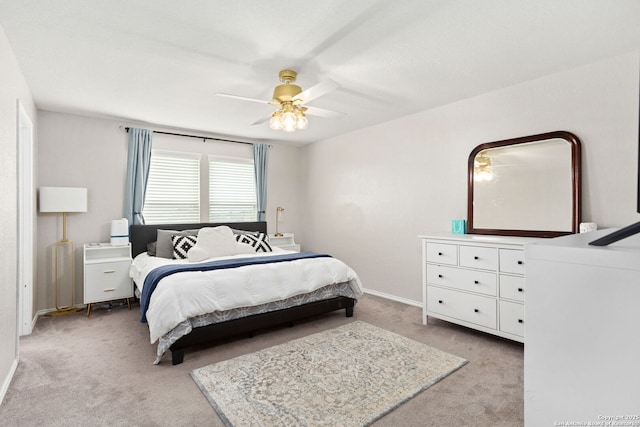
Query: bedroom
[392,197]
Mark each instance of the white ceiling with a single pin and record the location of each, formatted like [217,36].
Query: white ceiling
[162,62]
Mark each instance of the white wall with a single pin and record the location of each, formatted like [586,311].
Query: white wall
[12,88]
[79,151]
[365,196]
[371,192]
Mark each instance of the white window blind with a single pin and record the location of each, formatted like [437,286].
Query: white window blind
[232,190]
[173,188]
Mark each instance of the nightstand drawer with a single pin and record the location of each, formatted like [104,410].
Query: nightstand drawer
[470,308]
[107,281]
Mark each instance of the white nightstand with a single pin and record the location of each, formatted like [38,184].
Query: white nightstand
[285,242]
[106,273]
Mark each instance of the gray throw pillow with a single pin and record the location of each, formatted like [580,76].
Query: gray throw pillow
[164,245]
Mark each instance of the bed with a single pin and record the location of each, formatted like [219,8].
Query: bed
[333,286]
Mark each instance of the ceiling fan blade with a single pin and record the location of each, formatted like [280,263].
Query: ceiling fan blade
[243,98]
[262,120]
[321,112]
[317,91]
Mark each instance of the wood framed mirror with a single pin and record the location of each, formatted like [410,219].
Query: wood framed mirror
[528,186]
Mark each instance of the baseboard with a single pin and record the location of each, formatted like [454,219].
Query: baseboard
[42,313]
[7,381]
[33,325]
[394,298]
[33,321]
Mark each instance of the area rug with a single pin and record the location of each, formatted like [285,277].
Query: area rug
[347,376]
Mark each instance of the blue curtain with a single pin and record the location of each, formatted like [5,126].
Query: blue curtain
[138,161]
[260,156]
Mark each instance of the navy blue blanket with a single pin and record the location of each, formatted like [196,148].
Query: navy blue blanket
[152,279]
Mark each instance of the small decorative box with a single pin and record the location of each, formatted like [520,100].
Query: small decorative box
[458,226]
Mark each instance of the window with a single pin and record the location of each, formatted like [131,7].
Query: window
[232,190]
[175,192]
[173,188]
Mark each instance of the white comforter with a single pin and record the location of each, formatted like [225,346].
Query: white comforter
[181,296]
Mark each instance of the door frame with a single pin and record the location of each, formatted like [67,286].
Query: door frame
[26,214]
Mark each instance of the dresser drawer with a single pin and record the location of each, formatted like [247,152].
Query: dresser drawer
[512,261]
[107,281]
[512,287]
[512,318]
[479,257]
[442,253]
[482,282]
[475,309]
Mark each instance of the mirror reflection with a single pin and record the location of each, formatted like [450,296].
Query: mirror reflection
[526,186]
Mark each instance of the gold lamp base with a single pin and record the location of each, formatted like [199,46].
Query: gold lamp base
[63,311]
[59,246]
[279,211]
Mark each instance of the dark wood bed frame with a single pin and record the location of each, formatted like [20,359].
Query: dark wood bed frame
[141,235]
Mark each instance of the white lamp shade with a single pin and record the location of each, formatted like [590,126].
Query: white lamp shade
[63,199]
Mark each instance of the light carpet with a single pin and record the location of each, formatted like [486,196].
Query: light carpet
[347,376]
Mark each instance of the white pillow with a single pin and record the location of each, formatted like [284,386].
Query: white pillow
[245,248]
[214,242]
[196,254]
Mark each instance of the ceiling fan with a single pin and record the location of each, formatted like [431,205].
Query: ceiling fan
[291,102]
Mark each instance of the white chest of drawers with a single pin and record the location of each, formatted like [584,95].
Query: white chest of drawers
[476,281]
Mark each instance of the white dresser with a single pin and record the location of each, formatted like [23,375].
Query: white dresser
[582,358]
[106,273]
[476,281]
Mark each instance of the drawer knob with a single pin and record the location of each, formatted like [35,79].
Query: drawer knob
[520,321]
[476,257]
[439,301]
[109,271]
[520,290]
[520,262]
[109,289]
[440,276]
[439,253]
[476,310]
[476,282]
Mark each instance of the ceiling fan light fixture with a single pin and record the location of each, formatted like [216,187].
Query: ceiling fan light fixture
[276,120]
[289,99]
[288,118]
[301,121]
[289,121]
[289,128]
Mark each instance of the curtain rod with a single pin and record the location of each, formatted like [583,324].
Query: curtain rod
[204,138]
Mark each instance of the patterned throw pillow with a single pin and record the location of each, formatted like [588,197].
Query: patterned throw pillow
[182,244]
[259,241]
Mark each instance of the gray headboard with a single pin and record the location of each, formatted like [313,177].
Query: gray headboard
[141,235]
